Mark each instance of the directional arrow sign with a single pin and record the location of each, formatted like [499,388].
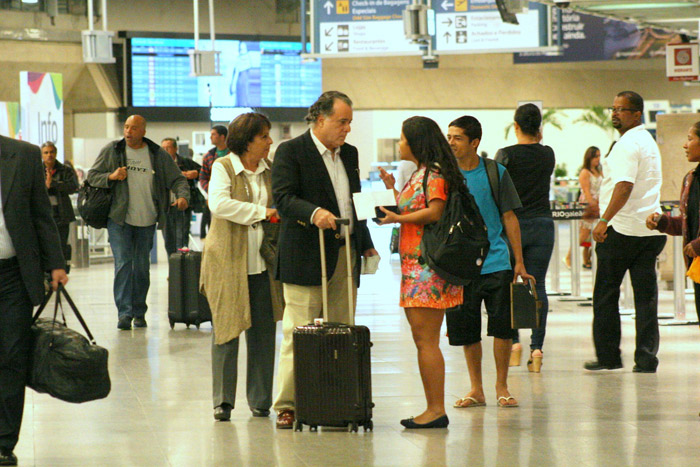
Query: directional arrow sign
[329,46]
[329,7]
[445,5]
[448,22]
[328,32]
[447,37]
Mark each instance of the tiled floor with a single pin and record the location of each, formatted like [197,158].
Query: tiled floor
[159,412]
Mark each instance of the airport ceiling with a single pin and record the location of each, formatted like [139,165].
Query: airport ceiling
[681,16]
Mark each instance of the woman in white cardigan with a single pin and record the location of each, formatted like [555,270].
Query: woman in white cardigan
[237,281]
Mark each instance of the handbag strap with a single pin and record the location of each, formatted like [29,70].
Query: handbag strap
[62,289]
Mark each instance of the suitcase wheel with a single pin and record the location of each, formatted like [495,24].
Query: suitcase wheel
[369,425]
[172,323]
[197,323]
[188,325]
[352,427]
[313,428]
[298,426]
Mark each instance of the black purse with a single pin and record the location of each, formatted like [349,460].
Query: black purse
[63,362]
[268,247]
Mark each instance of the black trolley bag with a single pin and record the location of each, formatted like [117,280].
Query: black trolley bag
[185,303]
[332,374]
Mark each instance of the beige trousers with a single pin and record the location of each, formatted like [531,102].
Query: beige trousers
[302,305]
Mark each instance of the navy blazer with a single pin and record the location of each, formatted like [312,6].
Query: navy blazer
[28,215]
[300,184]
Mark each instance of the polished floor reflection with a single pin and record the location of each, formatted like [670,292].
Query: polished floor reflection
[159,412]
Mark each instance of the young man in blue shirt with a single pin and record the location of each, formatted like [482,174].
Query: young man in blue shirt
[464,321]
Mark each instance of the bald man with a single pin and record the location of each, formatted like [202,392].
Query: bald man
[141,175]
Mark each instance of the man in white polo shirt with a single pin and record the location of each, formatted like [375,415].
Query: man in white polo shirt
[629,194]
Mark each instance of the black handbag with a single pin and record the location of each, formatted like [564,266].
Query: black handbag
[94,204]
[268,247]
[64,363]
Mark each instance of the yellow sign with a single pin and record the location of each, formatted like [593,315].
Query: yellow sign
[342,7]
[461,5]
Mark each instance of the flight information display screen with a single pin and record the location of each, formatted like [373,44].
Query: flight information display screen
[253,74]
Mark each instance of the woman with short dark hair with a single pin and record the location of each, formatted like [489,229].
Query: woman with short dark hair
[237,279]
[531,165]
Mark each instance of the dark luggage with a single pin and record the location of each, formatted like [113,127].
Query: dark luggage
[185,303]
[332,374]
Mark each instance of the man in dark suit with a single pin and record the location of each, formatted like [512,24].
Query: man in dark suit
[29,246]
[313,179]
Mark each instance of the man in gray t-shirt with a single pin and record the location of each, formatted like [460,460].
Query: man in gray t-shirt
[141,175]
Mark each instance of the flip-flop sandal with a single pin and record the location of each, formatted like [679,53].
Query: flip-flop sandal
[473,403]
[502,402]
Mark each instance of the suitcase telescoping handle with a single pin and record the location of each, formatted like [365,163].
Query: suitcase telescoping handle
[324,274]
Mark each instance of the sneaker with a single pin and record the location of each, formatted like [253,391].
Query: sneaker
[124,323]
[7,457]
[140,323]
[596,366]
[639,369]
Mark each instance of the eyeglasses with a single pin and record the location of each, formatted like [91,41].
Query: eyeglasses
[620,109]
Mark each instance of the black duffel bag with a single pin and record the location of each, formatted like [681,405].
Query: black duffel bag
[94,204]
[64,363]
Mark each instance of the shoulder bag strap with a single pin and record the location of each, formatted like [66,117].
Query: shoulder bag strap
[425,185]
[494,181]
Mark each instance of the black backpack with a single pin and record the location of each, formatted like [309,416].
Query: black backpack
[455,246]
[94,204]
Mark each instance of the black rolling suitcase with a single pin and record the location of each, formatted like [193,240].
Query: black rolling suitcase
[185,303]
[332,375]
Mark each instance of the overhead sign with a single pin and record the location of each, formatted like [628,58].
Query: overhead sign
[682,62]
[360,26]
[482,30]
[376,27]
[41,101]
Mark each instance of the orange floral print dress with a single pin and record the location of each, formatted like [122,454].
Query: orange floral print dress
[420,286]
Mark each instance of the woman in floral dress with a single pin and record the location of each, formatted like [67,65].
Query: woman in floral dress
[424,295]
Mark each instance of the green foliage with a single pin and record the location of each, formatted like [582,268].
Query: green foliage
[560,170]
[597,116]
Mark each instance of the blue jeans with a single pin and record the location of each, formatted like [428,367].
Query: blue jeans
[131,247]
[537,237]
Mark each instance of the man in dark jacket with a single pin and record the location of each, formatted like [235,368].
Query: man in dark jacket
[61,182]
[141,175]
[176,232]
[313,179]
[29,246]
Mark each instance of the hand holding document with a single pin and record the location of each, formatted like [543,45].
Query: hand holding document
[366,202]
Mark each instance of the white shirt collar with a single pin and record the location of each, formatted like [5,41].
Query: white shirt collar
[634,129]
[321,148]
[238,165]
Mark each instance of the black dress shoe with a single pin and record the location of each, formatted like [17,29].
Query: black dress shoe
[638,369]
[140,323]
[440,422]
[596,366]
[7,457]
[124,323]
[260,412]
[222,413]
